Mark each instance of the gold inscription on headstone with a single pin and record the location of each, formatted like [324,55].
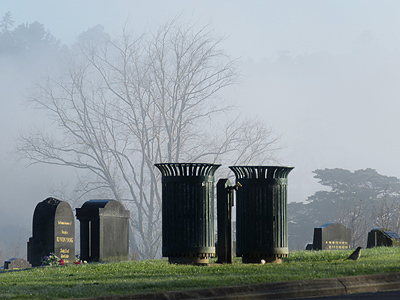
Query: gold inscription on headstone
[64,239]
[337,245]
[64,233]
[64,223]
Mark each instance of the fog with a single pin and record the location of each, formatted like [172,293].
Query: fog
[323,74]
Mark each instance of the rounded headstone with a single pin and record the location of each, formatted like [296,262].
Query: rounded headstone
[53,232]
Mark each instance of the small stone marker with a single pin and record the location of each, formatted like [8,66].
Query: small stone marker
[378,237]
[16,263]
[53,232]
[309,247]
[104,226]
[332,236]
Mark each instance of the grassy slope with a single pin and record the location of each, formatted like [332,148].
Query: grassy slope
[157,275]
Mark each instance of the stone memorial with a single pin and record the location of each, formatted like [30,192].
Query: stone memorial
[332,236]
[53,232]
[379,237]
[104,228]
[16,263]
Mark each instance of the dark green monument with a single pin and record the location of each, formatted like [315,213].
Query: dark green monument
[261,215]
[188,212]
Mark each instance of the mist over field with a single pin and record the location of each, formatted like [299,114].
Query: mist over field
[323,75]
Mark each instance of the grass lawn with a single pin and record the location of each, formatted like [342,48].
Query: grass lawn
[130,277]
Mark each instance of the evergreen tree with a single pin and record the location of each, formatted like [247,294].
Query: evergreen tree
[360,200]
[26,39]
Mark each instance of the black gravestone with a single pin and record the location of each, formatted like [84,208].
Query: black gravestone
[16,263]
[332,236]
[53,232]
[104,230]
[379,237]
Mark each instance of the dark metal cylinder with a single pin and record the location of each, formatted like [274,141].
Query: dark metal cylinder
[261,215]
[188,212]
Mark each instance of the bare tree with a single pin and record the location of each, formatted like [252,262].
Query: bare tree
[385,213]
[364,215]
[127,104]
[353,215]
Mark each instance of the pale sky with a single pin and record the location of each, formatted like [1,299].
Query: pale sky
[255,29]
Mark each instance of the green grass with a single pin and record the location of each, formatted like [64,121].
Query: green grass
[157,275]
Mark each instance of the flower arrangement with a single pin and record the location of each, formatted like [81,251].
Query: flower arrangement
[78,261]
[52,260]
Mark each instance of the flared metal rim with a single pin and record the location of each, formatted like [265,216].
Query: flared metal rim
[187,169]
[261,172]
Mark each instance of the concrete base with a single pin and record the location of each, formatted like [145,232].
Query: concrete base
[189,260]
[277,259]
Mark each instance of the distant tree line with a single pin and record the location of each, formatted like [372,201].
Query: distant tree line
[360,200]
[27,38]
